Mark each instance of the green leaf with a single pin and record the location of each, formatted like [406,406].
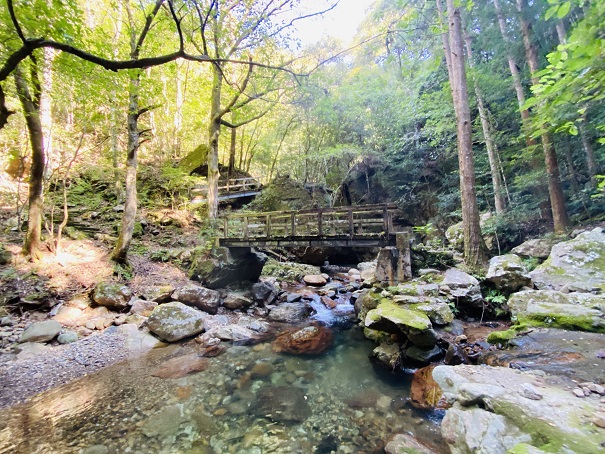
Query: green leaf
[564,10]
[550,12]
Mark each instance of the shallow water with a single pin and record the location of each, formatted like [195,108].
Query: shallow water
[334,402]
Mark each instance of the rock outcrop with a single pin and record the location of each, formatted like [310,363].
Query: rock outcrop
[499,410]
[227,266]
[574,311]
[577,265]
[507,273]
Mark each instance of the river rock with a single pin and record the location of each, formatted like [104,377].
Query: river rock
[180,366]
[143,307]
[41,331]
[461,288]
[164,423]
[387,354]
[282,404]
[424,355]
[226,266]
[231,333]
[583,311]
[175,321]
[310,340]
[535,248]
[290,313]
[395,319]
[425,393]
[315,280]
[67,337]
[159,293]
[507,273]
[236,301]
[406,444]
[254,324]
[199,297]
[577,265]
[264,292]
[113,295]
[493,414]
[455,236]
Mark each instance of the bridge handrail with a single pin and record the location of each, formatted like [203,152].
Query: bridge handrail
[265,224]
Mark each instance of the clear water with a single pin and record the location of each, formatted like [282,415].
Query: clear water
[345,405]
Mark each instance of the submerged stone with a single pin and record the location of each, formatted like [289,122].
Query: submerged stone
[181,366]
[310,340]
[286,404]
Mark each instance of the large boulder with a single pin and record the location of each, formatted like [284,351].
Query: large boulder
[507,273]
[264,292]
[395,319]
[199,297]
[499,410]
[577,265]
[113,295]
[41,331]
[310,340]
[536,248]
[226,266]
[583,311]
[461,288]
[290,312]
[175,321]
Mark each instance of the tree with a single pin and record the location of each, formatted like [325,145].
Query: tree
[475,252]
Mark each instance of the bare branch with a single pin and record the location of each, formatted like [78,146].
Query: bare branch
[11,11]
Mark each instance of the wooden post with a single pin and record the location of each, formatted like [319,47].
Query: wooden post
[226,228]
[385,219]
[268,222]
[292,224]
[351,225]
[246,230]
[404,265]
[319,223]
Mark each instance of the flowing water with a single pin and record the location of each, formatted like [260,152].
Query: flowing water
[248,400]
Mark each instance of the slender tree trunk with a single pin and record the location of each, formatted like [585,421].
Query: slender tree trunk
[113,115]
[555,191]
[281,142]
[475,252]
[514,71]
[591,162]
[46,116]
[178,115]
[31,109]
[490,143]
[120,250]
[232,150]
[214,131]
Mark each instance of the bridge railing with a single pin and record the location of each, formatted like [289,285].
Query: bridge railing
[231,185]
[342,222]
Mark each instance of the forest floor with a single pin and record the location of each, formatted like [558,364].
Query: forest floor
[29,291]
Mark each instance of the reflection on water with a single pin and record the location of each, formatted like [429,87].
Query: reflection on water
[249,400]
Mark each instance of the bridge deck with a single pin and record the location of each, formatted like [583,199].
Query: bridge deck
[361,226]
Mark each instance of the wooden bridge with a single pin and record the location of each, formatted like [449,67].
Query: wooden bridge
[360,226]
[233,188]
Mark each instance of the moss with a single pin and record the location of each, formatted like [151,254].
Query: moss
[377,336]
[564,321]
[398,316]
[503,337]
[551,438]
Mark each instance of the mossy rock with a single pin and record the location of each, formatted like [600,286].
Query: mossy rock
[392,318]
[195,159]
[504,337]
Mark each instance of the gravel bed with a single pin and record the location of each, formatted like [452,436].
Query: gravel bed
[23,378]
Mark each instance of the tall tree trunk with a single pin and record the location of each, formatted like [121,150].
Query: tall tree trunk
[555,191]
[490,143]
[591,162]
[475,252]
[120,251]
[31,109]
[113,114]
[514,71]
[178,115]
[214,131]
[232,150]
[46,116]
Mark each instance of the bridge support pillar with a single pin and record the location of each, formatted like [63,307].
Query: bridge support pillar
[404,263]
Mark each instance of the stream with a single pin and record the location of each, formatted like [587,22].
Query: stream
[247,400]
